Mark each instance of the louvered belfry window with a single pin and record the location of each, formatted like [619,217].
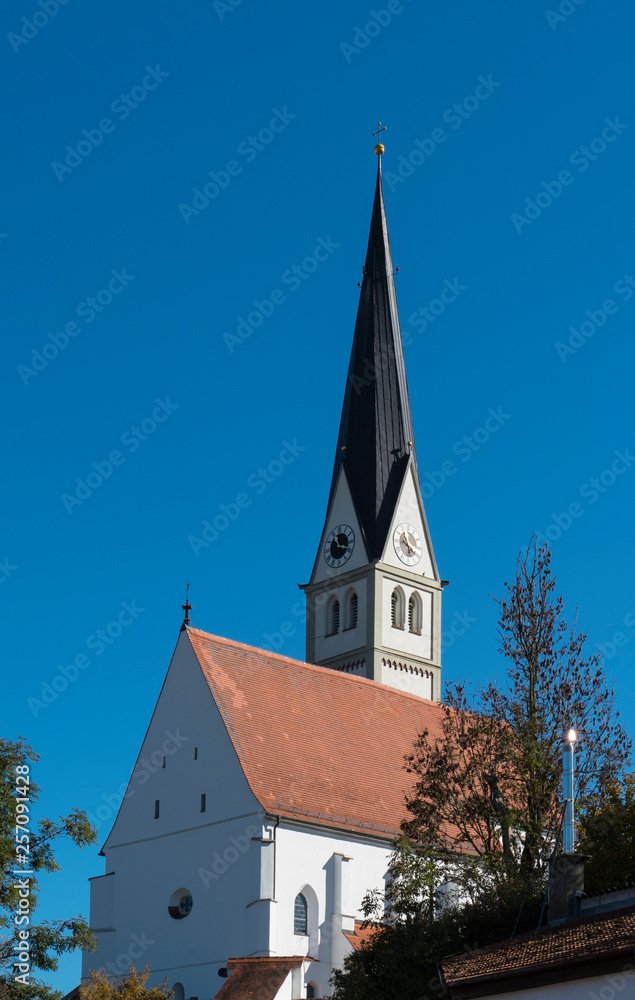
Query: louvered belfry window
[397,608]
[414,614]
[333,617]
[352,610]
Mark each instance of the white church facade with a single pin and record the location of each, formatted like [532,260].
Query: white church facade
[247,854]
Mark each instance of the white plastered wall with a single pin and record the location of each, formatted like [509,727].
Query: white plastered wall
[408,511]
[212,854]
[339,869]
[341,511]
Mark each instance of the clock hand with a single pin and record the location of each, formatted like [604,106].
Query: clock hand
[406,539]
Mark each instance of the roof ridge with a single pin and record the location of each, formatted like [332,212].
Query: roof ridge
[313,667]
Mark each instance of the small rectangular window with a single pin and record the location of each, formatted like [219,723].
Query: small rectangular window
[156,808]
[195,753]
[164,760]
[203,803]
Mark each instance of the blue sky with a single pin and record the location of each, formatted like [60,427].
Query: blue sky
[508,175]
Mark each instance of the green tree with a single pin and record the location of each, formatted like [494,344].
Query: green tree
[27,848]
[489,785]
[486,805]
[132,986]
[410,932]
[607,834]
[420,920]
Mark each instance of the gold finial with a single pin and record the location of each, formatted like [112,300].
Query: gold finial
[380,148]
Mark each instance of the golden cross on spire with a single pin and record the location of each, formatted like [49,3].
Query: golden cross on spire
[379,148]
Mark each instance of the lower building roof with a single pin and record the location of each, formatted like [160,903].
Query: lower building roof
[257,978]
[577,949]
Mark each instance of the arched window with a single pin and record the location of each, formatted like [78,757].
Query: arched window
[179,992]
[351,609]
[300,915]
[333,617]
[312,990]
[397,608]
[414,614]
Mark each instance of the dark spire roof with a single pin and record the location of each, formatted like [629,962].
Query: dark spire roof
[376,438]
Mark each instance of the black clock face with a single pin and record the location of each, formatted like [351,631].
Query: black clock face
[339,545]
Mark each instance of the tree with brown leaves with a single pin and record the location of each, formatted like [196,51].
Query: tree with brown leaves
[489,788]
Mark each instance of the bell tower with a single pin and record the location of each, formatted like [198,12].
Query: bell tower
[374,597]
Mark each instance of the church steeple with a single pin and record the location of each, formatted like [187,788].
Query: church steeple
[376,437]
[374,598]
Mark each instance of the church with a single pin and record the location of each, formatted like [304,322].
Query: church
[239,864]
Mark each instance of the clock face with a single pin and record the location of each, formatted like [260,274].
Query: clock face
[339,545]
[408,545]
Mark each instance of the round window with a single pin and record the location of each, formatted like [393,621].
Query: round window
[180,904]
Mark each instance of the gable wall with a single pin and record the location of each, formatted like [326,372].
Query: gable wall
[209,853]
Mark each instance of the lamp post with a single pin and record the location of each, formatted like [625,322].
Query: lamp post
[568,771]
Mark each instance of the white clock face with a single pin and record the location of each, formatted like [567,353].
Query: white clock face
[408,545]
[339,545]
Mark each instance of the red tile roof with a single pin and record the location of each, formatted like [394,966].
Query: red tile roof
[257,978]
[361,935]
[314,743]
[579,942]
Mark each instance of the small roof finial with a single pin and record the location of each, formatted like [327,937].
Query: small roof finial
[379,148]
[187,607]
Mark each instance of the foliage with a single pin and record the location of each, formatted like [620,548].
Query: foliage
[607,834]
[486,806]
[489,783]
[409,933]
[49,939]
[129,987]
[421,923]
